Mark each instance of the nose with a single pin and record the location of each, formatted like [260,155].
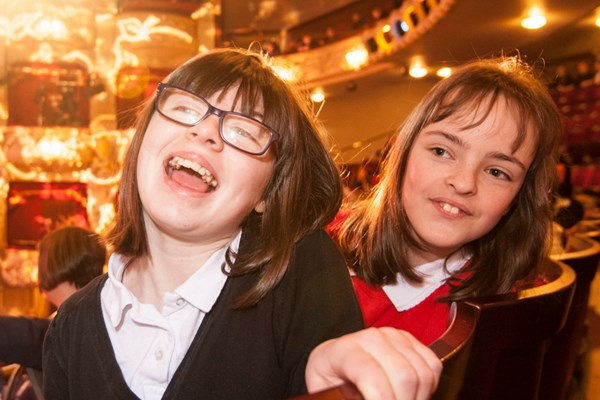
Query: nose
[207,132]
[463,179]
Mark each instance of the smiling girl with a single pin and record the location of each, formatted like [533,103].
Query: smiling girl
[222,280]
[463,205]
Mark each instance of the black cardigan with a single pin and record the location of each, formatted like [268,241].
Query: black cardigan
[21,340]
[256,353]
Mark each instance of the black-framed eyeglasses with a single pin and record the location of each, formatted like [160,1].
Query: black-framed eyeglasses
[236,129]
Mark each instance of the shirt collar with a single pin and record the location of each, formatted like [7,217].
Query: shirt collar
[405,295]
[119,298]
[201,289]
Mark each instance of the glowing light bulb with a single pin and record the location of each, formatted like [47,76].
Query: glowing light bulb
[534,20]
[357,57]
[417,71]
[444,72]
[285,73]
[317,96]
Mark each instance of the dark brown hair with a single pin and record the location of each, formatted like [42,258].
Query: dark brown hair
[378,234]
[70,254]
[303,194]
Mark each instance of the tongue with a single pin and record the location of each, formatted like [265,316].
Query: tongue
[189,179]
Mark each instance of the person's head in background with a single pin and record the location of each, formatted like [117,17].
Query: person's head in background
[69,258]
[490,132]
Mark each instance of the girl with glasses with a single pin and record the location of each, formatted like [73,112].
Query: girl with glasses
[222,280]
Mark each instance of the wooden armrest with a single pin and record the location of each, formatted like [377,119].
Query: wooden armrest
[346,391]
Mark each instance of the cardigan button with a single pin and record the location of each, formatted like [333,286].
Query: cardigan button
[158,355]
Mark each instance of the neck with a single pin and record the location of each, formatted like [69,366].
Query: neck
[166,268]
[60,293]
[418,257]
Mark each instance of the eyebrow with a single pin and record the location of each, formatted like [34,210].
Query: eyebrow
[252,113]
[240,104]
[496,154]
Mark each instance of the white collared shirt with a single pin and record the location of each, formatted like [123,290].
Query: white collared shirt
[405,295]
[149,344]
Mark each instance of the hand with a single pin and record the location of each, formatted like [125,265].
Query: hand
[384,363]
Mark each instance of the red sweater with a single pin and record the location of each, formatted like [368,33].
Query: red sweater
[426,321]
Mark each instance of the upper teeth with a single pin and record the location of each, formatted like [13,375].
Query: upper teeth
[178,162]
[450,209]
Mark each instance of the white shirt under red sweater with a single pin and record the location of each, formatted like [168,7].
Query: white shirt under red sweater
[409,306]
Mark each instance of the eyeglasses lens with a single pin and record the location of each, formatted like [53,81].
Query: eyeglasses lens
[237,130]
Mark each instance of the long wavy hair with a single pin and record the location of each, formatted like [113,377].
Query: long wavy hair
[304,191]
[377,236]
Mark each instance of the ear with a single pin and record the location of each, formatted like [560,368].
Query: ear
[260,207]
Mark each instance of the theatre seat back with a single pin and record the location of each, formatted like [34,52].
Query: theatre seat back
[454,349]
[494,347]
[512,331]
[564,352]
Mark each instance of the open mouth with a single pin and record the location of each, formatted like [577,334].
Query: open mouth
[191,174]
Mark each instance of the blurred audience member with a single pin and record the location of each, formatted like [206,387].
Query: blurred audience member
[597,71]
[306,43]
[330,36]
[376,15]
[69,258]
[585,75]
[563,82]
[271,47]
[568,211]
[358,21]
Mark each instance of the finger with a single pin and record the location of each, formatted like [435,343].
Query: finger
[410,366]
[424,361]
[384,363]
[390,373]
[345,359]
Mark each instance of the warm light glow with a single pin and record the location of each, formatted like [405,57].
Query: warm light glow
[43,27]
[205,10]
[534,20]
[107,214]
[444,72]
[417,71]
[357,57]
[285,73]
[386,28]
[45,54]
[52,28]
[317,96]
[53,148]
[78,56]
[133,30]
[57,154]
